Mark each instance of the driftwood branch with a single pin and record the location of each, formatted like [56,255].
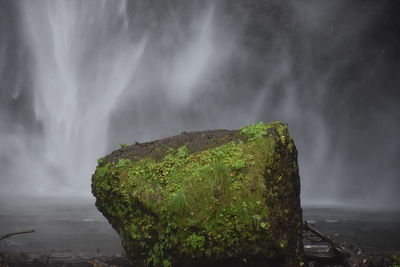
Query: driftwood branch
[342,252]
[16,233]
[335,246]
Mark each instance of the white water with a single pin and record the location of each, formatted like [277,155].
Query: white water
[94,59]
[84,59]
[97,73]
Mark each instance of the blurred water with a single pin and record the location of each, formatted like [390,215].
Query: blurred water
[84,59]
[78,78]
[60,225]
[77,226]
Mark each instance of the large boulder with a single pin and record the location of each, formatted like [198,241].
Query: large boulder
[222,197]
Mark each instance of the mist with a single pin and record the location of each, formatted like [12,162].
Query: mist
[78,78]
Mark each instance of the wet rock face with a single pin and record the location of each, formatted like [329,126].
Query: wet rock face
[206,198]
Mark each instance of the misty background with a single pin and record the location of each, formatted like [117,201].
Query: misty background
[78,78]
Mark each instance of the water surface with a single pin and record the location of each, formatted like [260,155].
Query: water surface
[75,225]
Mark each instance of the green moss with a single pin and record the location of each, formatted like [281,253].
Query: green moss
[254,130]
[196,242]
[100,161]
[214,204]
[396,259]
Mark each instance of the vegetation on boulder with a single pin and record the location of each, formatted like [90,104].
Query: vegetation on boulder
[206,197]
[396,259]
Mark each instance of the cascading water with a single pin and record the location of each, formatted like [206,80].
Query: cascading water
[80,77]
[85,55]
[84,59]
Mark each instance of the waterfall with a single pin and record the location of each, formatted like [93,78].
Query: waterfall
[92,57]
[88,57]
[78,78]
[84,57]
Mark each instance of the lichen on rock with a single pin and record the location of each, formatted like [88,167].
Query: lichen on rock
[203,198]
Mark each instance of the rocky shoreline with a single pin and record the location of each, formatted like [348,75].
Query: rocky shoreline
[317,256]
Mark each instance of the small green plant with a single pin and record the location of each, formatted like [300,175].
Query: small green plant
[178,202]
[122,163]
[123,145]
[221,172]
[196,242]
[182,152]
[100,161]
[102,171]
[255,130]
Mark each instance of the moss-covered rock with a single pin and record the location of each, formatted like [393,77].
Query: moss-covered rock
[206,198]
